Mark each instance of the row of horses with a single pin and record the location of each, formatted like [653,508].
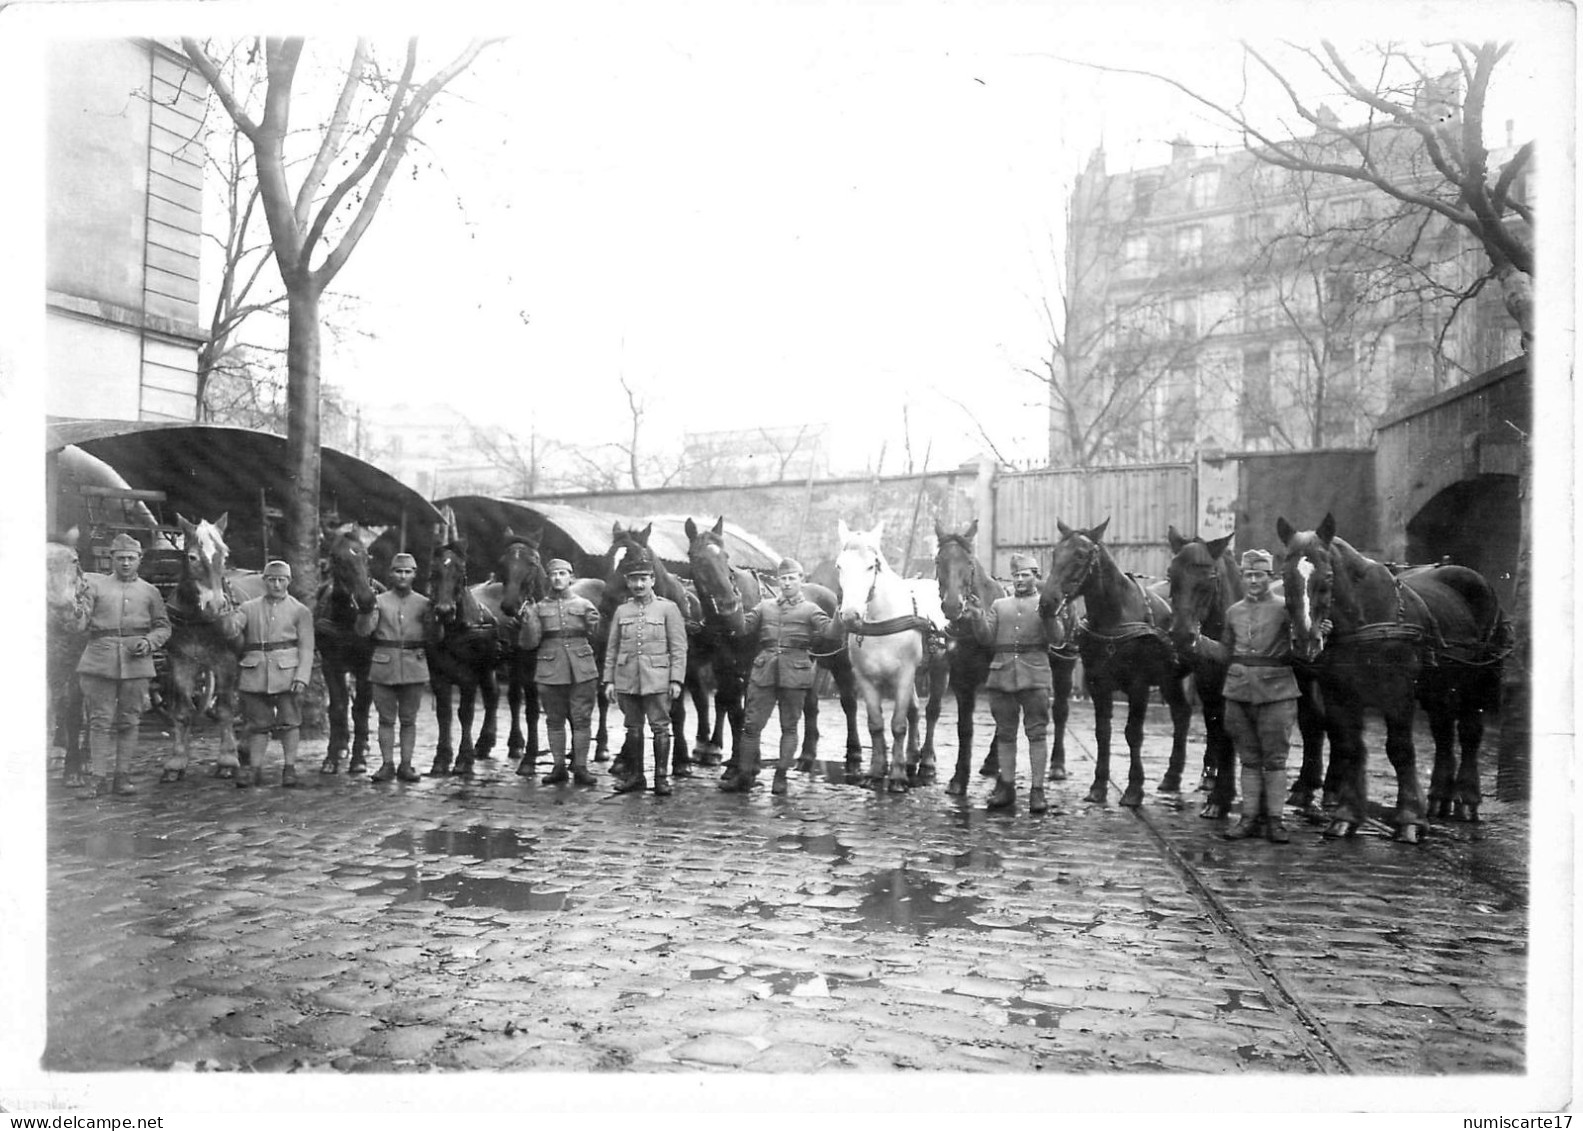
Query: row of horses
[1398,639]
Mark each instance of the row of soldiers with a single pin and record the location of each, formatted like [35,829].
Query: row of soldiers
[644,668]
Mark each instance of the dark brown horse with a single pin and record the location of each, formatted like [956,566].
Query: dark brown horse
[345,655]
[959,573]
[1124,647]
[463,656]
[1434,636]
[64,643]
[518,582]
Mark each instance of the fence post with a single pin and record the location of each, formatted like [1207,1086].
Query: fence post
[984,511]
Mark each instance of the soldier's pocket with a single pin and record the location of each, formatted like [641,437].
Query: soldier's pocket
[250,660]
[381,657]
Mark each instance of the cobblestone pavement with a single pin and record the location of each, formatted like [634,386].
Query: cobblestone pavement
[501,924]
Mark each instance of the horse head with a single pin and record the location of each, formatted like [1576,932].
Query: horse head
[1196,576]
[347,562]
[954,570]
[64,583]
[203,572]
[1075,561]
[859,567]
[448,579]
[521,571]
[713,577]
[1308,578]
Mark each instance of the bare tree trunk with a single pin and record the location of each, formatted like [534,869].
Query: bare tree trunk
[301,504]
[1515,756]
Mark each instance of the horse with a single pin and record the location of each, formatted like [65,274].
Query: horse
[667,585]
[1124,647]
[518,582]
[887,641]
[958,573]
[201,662]
[64,643]
[725,592]
[464,655]
[1433,636]
[345,655]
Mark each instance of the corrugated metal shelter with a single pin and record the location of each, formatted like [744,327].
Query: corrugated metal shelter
[205,470]
[581,536]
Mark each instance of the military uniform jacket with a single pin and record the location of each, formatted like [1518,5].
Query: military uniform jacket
[399,626]
[647,650]
[277,643]
[786,630]
[1013,628]
[562,628]
[115,613]
[1257,643]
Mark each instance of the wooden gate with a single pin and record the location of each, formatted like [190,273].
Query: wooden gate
[1140,501]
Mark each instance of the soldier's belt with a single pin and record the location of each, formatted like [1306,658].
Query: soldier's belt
[559,633]
[1260,662]
[272,646]
[1021,646]
[101,632]
[378,643]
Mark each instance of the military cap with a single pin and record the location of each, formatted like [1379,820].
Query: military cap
[1024,561]
[1258,559]
[278,568]
[788,565]
[557,563]
[125,543]
[639,562]
[403,560]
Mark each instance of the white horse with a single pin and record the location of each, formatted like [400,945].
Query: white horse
[886,618]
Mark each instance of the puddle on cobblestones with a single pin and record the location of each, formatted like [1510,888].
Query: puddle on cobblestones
[902,900]
[1236,999]
[1025,1012]
[481,841]
[121,846]
[823,845]
[976,859]
[458,890]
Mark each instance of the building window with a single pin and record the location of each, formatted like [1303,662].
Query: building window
[1254,407]
[1135,251]
[1260,309]
[1184,317]
[1345,211]
[1143,190]
[1189,245]
[1203,188]
[1177,398]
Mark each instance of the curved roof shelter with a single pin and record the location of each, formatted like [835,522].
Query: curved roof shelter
[581,536]
[205,470]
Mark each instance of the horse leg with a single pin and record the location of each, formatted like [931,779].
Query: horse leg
[1100,696]
[72,729]
[681,757]
[601,731]
[1137,708]
[530,719]
[966,694]
[1442,776]
[1060,711]
[909,764]
[873,710]
[337,708]
[927,774]
[1470,734]
[903,732]
[516,743]
[442,717]
[1220,757]
[846,688]
[1409,817]
[1171,687]
[362,704]
[1348,763]
[488,685]
[466,751]
[1311,778]
[809,758]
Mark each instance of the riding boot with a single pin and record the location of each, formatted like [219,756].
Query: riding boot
[747,768]
[244,757]
[1252,820]
[1274,796]
[1038,757]
[557,774]
[580,774]
[289,740]
[409,747]
[1003,795]
[662,759]
[387,751]
[627,770]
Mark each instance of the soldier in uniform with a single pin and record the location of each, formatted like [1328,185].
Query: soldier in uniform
[276,665]
[562,627]
[645,665]
[1019,680]
[125,619]
[1261,696]
[783,671]
[400,623]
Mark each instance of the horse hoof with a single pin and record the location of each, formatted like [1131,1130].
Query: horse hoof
[1170,783]
[1212,811]
[926,775]
[706,757]
[1407,834]
[1097,794]
[1057,773]
[225,773]
[681,769]
[440,769]
[1335,830]
[1206,784]
[990,768]
[897,785]
[956,787]
[171,776]
[601,755]
[806,765]
[1466,812]
[463,767]
[358,764]
[331,764]
[1132,797]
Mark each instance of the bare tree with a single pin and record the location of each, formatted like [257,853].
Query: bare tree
[521,462]
[314,229]
[1420,140]
[785,448]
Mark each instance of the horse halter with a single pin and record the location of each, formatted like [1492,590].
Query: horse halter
[707,598]
[1090,563]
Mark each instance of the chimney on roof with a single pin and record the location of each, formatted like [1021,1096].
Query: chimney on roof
[1181,149]
[1327,116]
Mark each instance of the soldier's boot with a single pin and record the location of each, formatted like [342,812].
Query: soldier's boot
[244,757]
[385,736]
[1005,792]
[1274,796]
[1252,820]
[409,747]
[627,770]
[557,774]
[290,739]
[788,755]
[1038,756]
[580,774]
[745,776]
[662,761]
